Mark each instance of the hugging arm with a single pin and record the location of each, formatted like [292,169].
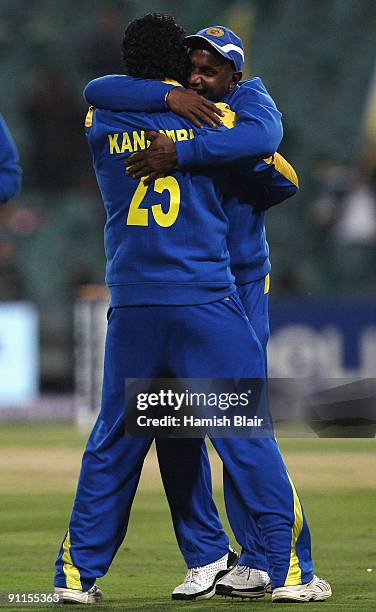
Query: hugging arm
[268,182]
[256,133]
[257,130]
[120,92]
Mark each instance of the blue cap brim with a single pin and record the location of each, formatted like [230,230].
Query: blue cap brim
[198,38]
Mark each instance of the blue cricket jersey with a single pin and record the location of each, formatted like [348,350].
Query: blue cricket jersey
[10,171]
[262,184]
[158,246]
[267,183]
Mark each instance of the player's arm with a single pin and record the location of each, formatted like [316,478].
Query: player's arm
[256,133]
[269,182]
[10,171]
[120,92]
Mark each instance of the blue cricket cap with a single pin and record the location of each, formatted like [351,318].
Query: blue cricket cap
[223,40]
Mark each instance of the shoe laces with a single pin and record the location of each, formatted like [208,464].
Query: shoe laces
[192,576]
[205,573]
[242,569]
[320,583]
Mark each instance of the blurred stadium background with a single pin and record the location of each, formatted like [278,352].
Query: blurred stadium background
[319,64]
[317,58]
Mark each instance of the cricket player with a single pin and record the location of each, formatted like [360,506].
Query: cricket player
[10,171]
[216,74]
[156,287]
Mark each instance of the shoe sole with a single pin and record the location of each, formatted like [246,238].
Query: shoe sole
[64,599]
[75,599]
[228,591]
[208,594]
[210,591]
[71,601]
[304,598]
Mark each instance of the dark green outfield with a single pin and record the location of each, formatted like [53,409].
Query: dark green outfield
[149,565]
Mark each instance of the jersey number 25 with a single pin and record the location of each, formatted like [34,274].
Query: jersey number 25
[140,216]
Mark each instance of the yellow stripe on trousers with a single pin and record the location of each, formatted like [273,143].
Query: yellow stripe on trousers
[267,284]
[71,572]
[294,575]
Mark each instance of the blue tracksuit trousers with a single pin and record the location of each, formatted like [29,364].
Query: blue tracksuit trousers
[210,340]
[188,521]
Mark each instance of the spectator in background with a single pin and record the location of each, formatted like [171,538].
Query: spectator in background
[11,287]
[333,184]
[347,203]
[357,221]
[10,171]
[101,53]
[345,213]
[55,119]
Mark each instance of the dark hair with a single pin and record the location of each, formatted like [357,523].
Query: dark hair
[153,48]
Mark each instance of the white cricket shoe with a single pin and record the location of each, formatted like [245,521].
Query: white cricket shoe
[316,590]
[200,582]
[74,596]
[243,581]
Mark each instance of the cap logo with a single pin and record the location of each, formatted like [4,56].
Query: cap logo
[215,32]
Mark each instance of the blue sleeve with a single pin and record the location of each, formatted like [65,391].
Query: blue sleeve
[10,171]
[257,133]
[120,92]
[268,182]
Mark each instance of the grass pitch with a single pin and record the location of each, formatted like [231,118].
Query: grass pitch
[39,467]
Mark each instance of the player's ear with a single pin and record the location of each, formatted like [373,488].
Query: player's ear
[235,78]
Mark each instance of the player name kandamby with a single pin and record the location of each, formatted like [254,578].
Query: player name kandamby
[192,421]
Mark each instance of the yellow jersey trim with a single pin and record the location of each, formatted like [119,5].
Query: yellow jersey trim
[229,118]
[89,117]
[267,284]
[283,167]
[294,575]
[280,163]
[72,575]
[172,82]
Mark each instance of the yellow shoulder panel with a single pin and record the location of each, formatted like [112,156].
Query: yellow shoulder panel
[229,120]
[283,167]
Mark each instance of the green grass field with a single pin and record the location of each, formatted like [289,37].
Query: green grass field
[39,467]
